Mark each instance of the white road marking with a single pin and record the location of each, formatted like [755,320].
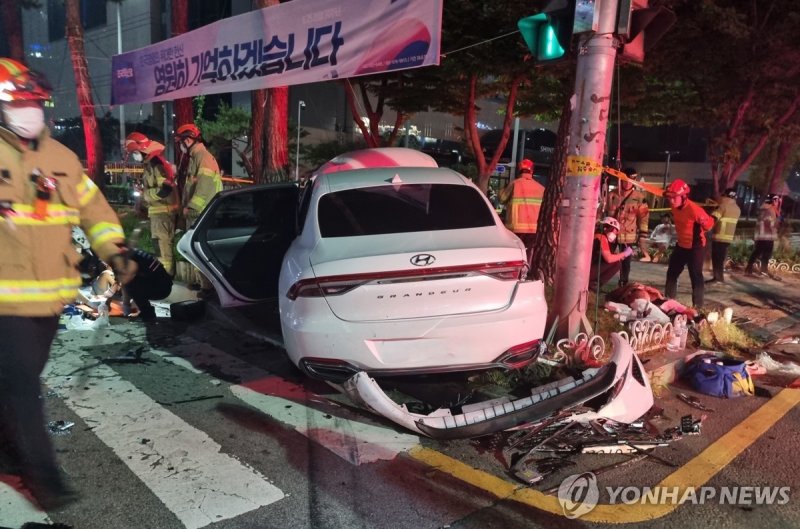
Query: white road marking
[355,442]
[15,509]
[181,464]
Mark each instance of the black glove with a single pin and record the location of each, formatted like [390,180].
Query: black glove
[164,191]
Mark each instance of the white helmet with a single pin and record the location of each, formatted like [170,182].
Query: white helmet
[610,221]
[79,238]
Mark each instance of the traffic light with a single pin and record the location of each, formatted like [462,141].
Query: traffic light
[640,26]
[548,34]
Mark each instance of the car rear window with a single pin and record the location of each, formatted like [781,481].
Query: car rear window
[402,209]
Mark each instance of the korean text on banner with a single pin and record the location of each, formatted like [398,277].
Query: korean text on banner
[297,42]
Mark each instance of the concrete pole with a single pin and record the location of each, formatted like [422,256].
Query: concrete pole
[122,132]
[586,147]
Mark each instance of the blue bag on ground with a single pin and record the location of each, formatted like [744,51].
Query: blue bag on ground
[718,376]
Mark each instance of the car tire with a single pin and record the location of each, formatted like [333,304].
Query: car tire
[189,310]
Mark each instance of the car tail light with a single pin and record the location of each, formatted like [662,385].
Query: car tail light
[521,355]
[337,285]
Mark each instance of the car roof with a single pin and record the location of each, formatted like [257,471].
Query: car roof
[388,175]
[373,158]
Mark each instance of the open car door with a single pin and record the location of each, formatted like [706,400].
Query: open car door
[240,239]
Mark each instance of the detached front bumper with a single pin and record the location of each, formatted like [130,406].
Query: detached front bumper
[619,391]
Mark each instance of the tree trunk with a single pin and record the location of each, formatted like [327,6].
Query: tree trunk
[485,169]
[83,87]
[182,108]
[776,179]
[258,102]
[278,134]
[12,26]
[351,104]
[543,263]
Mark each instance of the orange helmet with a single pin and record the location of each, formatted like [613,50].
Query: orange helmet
[677,188]
[19,83]
[189,130]
[136,141]
[526,166]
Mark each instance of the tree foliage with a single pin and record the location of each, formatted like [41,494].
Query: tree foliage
[730,66]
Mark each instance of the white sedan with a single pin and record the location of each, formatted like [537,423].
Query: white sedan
[384,265]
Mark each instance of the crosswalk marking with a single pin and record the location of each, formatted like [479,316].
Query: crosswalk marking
[355,442]
[180,464]
[15,509]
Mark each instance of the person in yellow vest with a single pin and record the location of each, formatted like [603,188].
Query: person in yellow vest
[627,204]
[203,181]
[523,197]
[727,216]
[765,235]
[44,192]
[159,193]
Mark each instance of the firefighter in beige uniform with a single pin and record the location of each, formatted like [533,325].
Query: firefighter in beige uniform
[159,193]
[203,181]
[629,207]
[43,194]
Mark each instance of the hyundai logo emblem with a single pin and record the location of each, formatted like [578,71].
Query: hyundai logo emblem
[423,259]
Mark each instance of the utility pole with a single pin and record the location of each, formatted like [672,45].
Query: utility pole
[586,147]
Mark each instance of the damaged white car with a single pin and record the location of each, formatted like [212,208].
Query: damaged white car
[389,271]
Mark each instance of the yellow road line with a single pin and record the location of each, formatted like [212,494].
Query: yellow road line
[694,473]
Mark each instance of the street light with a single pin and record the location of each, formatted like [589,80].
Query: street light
[300,105]
[669,155]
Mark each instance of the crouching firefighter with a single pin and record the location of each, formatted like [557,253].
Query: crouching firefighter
[44,192]
[159,193]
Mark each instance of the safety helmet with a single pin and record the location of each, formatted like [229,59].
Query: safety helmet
[610,221]
[730,192]
[525,166]
[136,141]
[632,173]
[19,83]
[677,188]
[189,130]
[772,198]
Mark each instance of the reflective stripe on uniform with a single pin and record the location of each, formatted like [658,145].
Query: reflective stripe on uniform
[23,290]
[727,229]
[56,214]
[86,190]
[104,232]
[523,209]
[162,209]
[198,203]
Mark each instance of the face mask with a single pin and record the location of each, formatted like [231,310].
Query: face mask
[137,157]
[611,237]
[25,122]
[184,148]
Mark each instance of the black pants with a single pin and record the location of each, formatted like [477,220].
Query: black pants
[625,264]
[606,272]
[144,289]
[680,258]
[763,252]
[24,350]
[719,252]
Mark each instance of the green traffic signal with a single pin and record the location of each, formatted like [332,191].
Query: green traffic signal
[546,36]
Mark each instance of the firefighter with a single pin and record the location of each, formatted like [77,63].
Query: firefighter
[765,235]
[524,198]
[627,204]
[159,193]
[605,262]
[43,193]
[727,216]
[691,225]
[203,181]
